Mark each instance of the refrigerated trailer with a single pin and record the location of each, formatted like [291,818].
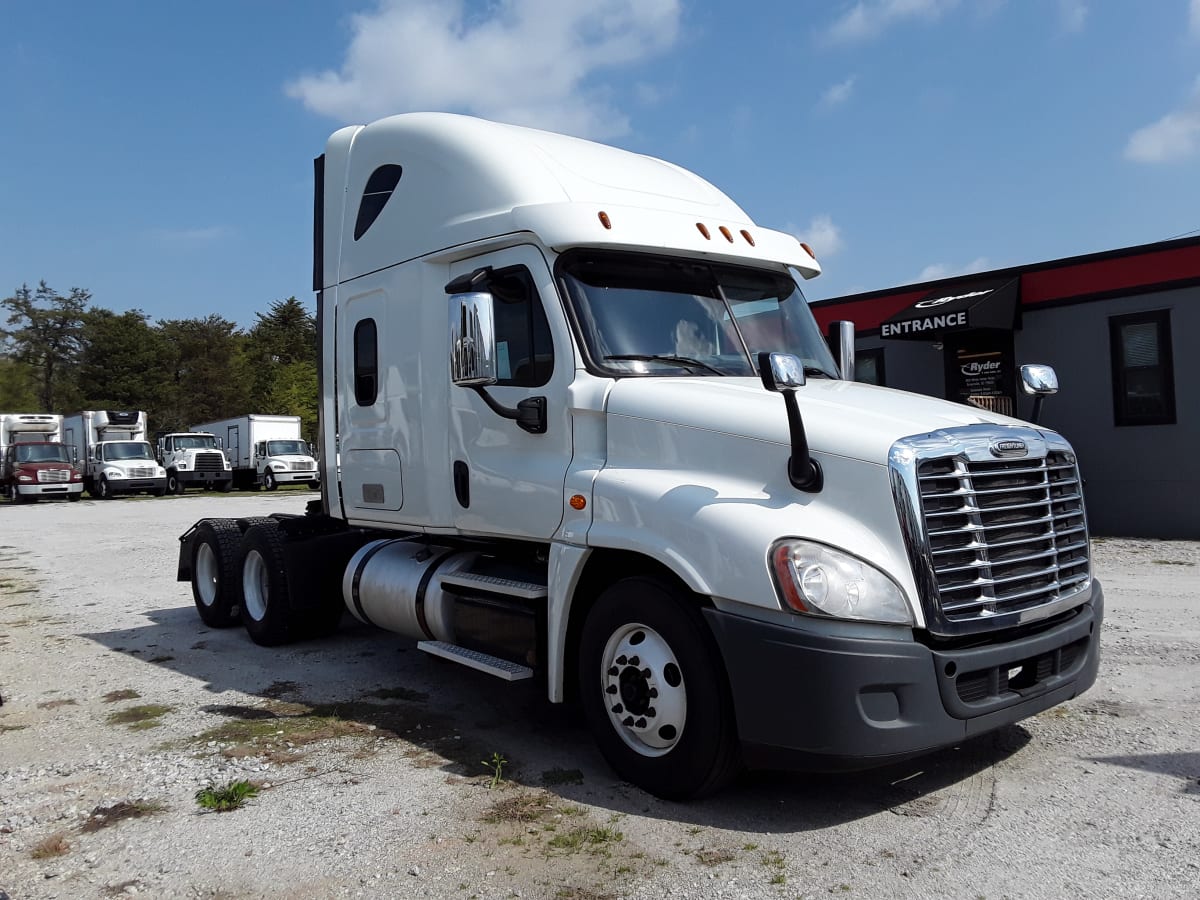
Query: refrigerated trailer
[590,434]
[265,451]
[34,462]
[113,451]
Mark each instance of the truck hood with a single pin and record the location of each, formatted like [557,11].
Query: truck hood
[843,418]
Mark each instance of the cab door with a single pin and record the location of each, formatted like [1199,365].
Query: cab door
[507,481]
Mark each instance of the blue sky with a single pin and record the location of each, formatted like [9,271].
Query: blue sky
[159,154]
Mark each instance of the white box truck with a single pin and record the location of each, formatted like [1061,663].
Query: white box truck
[265,451]
[193,459]
[34,462]
[114,453]
[590,434]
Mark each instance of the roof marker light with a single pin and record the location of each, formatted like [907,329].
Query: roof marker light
[728,236]
[748,236]
[808,250]
[605,220]
[704,231]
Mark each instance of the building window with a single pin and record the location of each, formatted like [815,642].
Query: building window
[868,366]
[1143,374]
[366,363]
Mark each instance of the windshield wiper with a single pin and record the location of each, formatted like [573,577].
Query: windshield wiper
[817,372]
[685,361]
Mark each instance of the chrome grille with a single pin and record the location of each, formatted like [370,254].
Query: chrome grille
[53,476]
[1005,535]
[300,467]
[210,462]
[993,520]
[141,472]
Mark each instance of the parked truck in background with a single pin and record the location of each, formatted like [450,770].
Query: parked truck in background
[34,462]
[193,459]
[265,451]
[590,433]
[113,451]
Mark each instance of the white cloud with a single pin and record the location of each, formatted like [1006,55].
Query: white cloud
[821,234]
[1073,14]
[870,18]
[526,62]
[838,94]
[947,270]
[1173,137]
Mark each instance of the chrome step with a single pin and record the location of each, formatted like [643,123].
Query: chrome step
[508,586]
[492,665]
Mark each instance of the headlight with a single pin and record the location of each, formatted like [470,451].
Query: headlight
[181,465]
[25,478]
[818,580]
[160,472]
[279,466]
[113,473]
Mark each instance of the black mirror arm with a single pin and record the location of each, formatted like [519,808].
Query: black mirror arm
[804,472]
[530,414]
[1038,399]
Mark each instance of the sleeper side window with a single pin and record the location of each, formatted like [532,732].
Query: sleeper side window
[1142,368]
[366,363]
[376,194]
[524,350]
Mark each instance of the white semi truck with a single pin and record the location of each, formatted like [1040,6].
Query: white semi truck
[34,462]
[265,451]
[193,459]
[590,434]
[112,448]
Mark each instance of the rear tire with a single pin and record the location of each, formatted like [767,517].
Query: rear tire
[215,572]
[654,690]
[266,607]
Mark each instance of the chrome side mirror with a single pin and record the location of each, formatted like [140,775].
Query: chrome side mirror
[472,340]
[780,371]
[1038,379]
[783,373]
[1041,381]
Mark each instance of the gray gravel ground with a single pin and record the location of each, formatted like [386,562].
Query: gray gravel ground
[370,755]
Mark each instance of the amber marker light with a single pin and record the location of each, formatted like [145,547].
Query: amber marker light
[728,235]
[605,220]
[703,229]
[808,250]
[577,501]
[748,236]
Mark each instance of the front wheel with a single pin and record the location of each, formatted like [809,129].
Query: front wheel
[103,489]
[174,485]
[269,481]
[215,572]
[76,497]
[654,692]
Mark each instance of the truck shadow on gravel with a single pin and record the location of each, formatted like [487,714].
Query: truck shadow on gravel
[368,685]
[1184,765]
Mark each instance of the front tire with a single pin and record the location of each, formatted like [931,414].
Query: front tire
[103,489]
[76,497]
[265,598]
[269,481]
[654,691]
[215,572]
[174,485]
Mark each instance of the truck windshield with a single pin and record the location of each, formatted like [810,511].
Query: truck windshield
[30,453]
[195,442]
[126,450]
[646,315]
[285,448]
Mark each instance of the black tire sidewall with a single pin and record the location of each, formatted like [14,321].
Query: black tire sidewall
[223,537]
[277,624]
[705,755]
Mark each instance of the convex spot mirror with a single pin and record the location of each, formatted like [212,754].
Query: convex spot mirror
[1038,379]
[472,340]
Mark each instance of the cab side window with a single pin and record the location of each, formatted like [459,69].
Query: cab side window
[524,349]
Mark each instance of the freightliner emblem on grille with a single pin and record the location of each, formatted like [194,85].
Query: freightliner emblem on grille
[1009,448]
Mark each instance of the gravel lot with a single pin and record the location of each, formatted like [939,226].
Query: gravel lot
[369,753]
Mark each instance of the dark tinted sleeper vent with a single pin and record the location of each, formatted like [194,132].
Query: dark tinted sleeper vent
[375,196]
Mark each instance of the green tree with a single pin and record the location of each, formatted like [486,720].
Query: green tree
[281,349]
[205,372]
[123,363]
[17,390]
[47,335]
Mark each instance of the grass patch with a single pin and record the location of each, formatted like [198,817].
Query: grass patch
[227,797]
[139,717]
[773,859]
[1173,562]
[106,816]
[521,808]
[713,856]
[56,704]
[584,838]
[115,696]
[52,846]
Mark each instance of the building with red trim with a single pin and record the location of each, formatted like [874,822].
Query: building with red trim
[1116,326]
